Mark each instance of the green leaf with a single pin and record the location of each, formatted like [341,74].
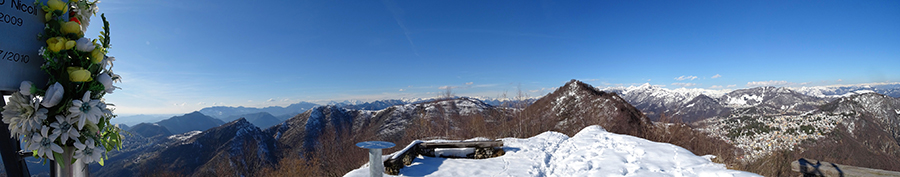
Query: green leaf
[59,159]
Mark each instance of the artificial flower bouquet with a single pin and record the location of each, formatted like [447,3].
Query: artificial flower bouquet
[69,111]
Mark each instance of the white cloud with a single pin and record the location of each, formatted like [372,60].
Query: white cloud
[768,83]
[732,85]
[402,90]
[686,78]
[716,76]
[470,83]
[684,84]
[715,87]
[840,80]
[271,100]
[648,80]
[446,87]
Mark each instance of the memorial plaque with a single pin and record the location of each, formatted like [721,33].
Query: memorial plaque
[20,23]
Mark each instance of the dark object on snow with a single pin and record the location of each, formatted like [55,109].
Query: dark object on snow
[809,167]
[483,150]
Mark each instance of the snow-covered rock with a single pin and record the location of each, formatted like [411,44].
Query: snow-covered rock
[591,152]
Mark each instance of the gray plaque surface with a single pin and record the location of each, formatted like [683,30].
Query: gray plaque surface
[20,23]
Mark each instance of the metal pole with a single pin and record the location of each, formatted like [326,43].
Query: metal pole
[376,167]
[70,169]
[9,147]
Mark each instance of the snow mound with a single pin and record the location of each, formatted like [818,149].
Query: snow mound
[591,152]
[185,136]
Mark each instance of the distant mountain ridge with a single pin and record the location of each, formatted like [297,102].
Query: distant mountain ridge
[688,104]
[654,101]
[374,105]
[231,148]
[150,130]
[140,118]
[888,89]
[190,122]
[261,119]
[224,112]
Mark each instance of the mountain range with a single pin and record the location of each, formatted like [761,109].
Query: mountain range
[698,104]
[324,130]
[226,112]
[867,120]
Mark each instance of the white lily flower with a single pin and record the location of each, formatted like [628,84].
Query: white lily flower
[107,65]
[25,88]
[54,95]
[107,82]
[13,111]
[106,110]
[64,128]
[44,145]
[85,110]
[23,114]
[88,152]
[84,45]
[34,122]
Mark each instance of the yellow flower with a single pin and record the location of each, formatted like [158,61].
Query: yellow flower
[70,44]
[97,55]
[71,27]
[57,5]
[55,44]
[78,74]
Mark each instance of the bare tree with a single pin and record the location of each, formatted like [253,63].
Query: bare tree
[447,93]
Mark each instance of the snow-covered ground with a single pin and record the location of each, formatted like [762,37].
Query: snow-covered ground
[184,136]
[591,152]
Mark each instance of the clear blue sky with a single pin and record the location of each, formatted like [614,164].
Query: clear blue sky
[179,56]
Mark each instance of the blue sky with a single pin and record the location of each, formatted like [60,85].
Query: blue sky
[179,56]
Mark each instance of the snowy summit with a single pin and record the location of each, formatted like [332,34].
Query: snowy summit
[591,152]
